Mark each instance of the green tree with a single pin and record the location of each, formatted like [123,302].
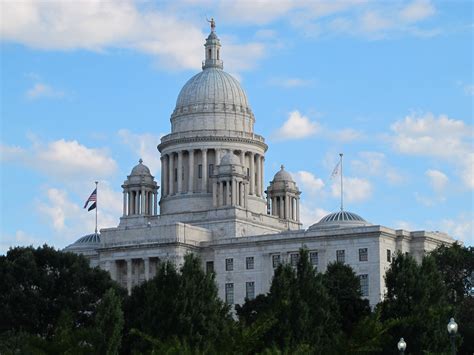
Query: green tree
[416,305]
[181,304]
[109,324]
[38,285]
[343,286]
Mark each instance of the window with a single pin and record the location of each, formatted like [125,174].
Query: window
[229,293]
[276,260]
[209,53]
[363,254]
[249,262]
[294,258]
[209,266]
[313,258]
[218,54]
[250,290]
[182,172]
[210,170]
[248,172]
[229,264]
[175,174]
[341,256]
[389,255]
[200,171]
[364,284]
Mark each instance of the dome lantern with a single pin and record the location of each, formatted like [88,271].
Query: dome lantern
[213,47]
[284,196]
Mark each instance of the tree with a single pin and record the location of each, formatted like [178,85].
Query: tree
[181,304]
[416,305]
[343,286]
[456,264]
[38,285]
[109,324]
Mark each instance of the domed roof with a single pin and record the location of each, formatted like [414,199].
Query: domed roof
[212,86]
[140,169]
[283,175]
[88,241]
[230,159]
[340,219]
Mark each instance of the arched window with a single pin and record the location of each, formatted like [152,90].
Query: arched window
[209,53]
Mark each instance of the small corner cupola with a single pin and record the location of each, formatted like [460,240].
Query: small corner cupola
[284,196]
[140,192]
[213,47]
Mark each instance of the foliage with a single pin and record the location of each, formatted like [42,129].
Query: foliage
[109,324]
[181,304]
[38,285]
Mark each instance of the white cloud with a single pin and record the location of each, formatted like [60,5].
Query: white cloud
[310,215]
[258,12]
[145,147]
[62,159]
[99,25]
[404,225]
[460,227]
[355,189]
[417,10]
[438,179]
[439,137]
[346,135]
[308,182]
[40,90]
[20,238]
[290,83]
[375,164]
[429,201]
[297,126]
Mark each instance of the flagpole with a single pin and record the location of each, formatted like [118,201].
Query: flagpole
[96,206]
[342,185]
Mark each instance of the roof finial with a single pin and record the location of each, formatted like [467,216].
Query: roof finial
[140,160]
[213,23]
[282,167]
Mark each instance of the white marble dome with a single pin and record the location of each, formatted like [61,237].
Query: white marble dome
[283,175]
[230,159]
[140,169]
[340,219]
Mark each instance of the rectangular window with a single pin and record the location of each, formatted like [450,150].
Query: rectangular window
[341,256]
[364,284]
[250,290]
[389,255]
[314,258]
[209,266]
[229,264]
[248,172]
[210,170]
[200,171]
[276,260]
[363,254]
[229,293]
[249,262]
[294,258]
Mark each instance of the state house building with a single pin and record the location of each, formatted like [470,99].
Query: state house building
[214,203]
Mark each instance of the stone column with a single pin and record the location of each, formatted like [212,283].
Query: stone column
[221,193]
[124,203]
[214,194]
[287,207]
[298,209]
[155,204]
[180,171]
[171,174]
[191,171]
[143,195]
[137,202]
[162,159]
[204,171]
[233,193]
[217,156]
[252,174]
[165,172]
[129,276]
[259,175]
[262,177]
[246,204]
[242,158]
[146,261]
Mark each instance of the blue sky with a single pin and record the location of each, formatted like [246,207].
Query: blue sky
[87,88]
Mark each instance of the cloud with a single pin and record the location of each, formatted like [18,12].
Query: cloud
[355,189]
[417,10]
[438,137]
[290,83]
[297,126]
[69,220]
[437,179]
[20,238]
[40,90]
[145,147]
[308,182]
[62,159]
[469,89]
[460,227]
[375,164]
[100,25]
[310,215]
[345,135]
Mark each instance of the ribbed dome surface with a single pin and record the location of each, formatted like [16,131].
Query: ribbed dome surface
[283,175]
[140,169]
[341,219]
[89,241]
[212,86]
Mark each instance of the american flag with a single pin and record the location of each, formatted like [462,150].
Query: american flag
[92,198]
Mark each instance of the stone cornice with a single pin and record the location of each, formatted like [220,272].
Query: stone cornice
[166,143]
